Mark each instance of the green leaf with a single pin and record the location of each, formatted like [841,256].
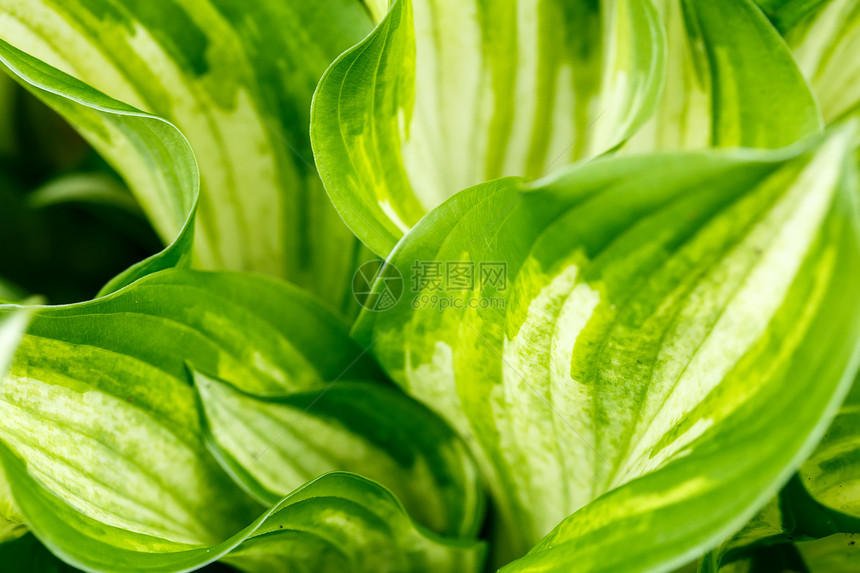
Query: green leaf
[830,478]
[237,79]
[376,8]
[834,554]
[444,95]
[837,553]
[274,444]
[730,82]
[764,530]
[662,317]
[103,387]
[822,500]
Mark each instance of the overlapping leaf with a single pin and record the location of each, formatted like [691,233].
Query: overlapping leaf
[102,433]
[821,501]
[838,553]
[272,444]
[100,406]
[404,120]
[824,36]
[339,522]
[831,475]
[447,93]
[237,79]
[662,316]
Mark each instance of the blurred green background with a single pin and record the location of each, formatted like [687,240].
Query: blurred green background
[67,222]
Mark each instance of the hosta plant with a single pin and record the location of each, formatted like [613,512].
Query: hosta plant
[443,285]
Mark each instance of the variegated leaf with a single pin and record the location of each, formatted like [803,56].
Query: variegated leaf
[825,39]
[730,82]
[339,522]
[404,120]
[272,444]
[662,316]
[101,409]
[821,501]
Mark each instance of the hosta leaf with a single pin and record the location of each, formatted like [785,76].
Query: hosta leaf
[237,79]
[661,318]
[273,444]
[340,522]
[730,81]
[101,407]
[838,553]
[825,40]
[155,155]
[831,475]
[449,93]
[834,554]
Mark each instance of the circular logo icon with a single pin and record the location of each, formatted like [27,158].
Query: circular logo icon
[377,286]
